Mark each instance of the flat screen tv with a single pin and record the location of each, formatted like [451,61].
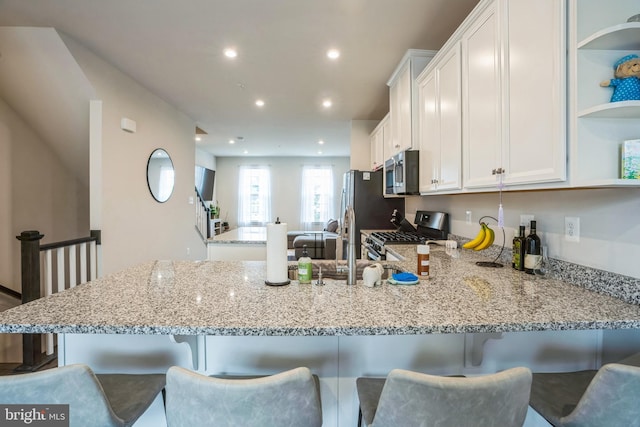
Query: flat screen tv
[205,179]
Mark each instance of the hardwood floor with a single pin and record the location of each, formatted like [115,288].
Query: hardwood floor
[9,368]
[7,301]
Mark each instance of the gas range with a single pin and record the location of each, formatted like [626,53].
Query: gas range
[396,237]
[429,226]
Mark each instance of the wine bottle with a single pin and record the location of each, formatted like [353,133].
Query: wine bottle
[518,250]
[533,251]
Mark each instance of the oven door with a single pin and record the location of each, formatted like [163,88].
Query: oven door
[389,176]
[374,255]
[399,186]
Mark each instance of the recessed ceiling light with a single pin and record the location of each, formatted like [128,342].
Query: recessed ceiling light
[333,53]
[327,103]
[246,152]
[321,142]
[232,141]
[319,152]
[198,138]
[230,52]
[260,103]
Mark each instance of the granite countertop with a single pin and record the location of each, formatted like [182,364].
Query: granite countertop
[230,298]
[242,235]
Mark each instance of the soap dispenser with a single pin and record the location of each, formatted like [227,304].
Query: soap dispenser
[304,267]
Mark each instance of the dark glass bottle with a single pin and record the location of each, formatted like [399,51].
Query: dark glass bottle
[533,251]
[519,250]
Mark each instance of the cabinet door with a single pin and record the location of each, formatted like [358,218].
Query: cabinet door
[535,106]
[400,106]
[428,131]
[449,89]
[377,141]
[482,136]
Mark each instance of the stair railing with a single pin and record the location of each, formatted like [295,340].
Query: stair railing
[76,262]
[202,218]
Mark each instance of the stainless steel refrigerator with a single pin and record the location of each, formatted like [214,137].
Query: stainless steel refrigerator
[363,190]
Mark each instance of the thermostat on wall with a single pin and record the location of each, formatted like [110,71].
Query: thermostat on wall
[128,125]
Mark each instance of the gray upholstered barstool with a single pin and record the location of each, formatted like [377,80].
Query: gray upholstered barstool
[287,399]
[409,399]
[102,400]
[608,397]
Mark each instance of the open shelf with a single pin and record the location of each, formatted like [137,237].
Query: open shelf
[618,37]
[613,110]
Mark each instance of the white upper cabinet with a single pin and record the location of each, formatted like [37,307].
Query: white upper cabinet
[378,142]
[482,125]
[440,124]
[536,92]
[403,101]
[600,36]
[513,80]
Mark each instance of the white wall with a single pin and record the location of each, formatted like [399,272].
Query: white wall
[286,176]
[36,193]
[609,222]
[136,228]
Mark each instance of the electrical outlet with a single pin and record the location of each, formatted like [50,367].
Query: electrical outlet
[572,228]
[468,217]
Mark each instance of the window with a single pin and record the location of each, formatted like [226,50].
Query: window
[254,196]
[317,195]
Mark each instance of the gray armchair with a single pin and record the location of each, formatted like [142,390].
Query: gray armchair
[606,397]
[410,399]
[287,399]
[102,400]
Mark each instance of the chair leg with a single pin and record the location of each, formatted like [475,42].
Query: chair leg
[359,416]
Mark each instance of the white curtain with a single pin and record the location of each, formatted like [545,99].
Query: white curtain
[317,196]
[254,196]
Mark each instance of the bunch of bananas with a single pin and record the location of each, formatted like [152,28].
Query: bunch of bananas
[483,240]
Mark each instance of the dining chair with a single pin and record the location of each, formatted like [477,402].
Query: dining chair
[100,400]
[408,399]
[609,396]
[287,399]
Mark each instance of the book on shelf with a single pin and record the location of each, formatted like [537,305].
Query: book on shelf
[630,159]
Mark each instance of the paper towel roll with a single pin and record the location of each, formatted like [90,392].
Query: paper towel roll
[277,265]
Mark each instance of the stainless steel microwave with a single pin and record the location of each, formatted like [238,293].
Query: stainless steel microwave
[402,173]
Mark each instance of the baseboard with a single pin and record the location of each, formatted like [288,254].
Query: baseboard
[10,292]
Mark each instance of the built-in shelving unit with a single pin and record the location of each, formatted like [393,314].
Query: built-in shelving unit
[600,36]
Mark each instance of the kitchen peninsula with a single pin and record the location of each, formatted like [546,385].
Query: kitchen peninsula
[464,319]
[243,243]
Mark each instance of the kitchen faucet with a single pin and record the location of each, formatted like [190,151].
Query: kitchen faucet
[349,224]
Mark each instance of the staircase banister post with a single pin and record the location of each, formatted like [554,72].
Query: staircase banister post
[30,264]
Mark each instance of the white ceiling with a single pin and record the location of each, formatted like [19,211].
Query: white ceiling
[174,48]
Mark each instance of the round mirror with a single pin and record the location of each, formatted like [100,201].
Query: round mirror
[160,175]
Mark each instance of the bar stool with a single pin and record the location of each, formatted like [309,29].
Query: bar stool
[102,400]
[609,396]
[410,399]
[287,399]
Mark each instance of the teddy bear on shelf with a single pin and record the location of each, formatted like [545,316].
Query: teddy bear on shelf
[626,83]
